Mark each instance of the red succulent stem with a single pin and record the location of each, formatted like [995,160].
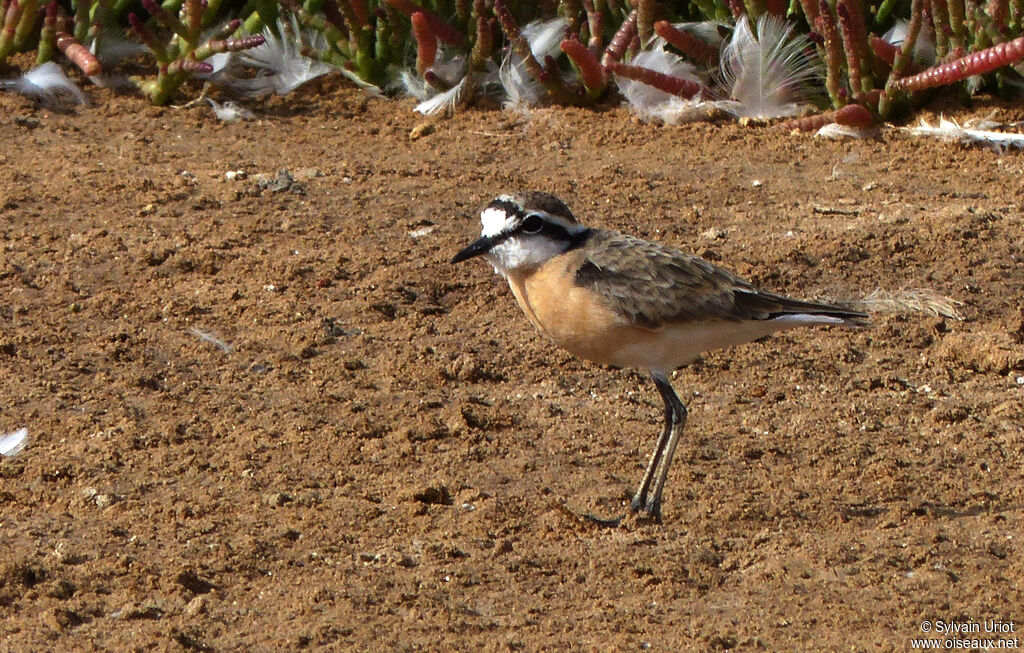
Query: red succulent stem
[551,82]
[777,7]
[888,52]
[998,11]
[11,18]
[617,46]
[188,65]
[332,14]
[441,28]
[484,43]
[687,43]
[683,88]
[826,26]
[1017,15]
[166,18]
[645,20]
[48,34]
[855,43]
[216,46]
[807,123]
[901,65]
[595,24]
[940,18]
[737,8]
[810,8]
[854,115]
[436,81]
[903,60]
[591,71]
[978,63]
[426,42]
[78,54]
[147,38]
[958,21]
[230,28]
[192,11]
[361,12]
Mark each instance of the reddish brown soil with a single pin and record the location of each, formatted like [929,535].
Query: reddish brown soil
[385,455]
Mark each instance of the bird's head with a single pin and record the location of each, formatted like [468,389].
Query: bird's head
[523,231]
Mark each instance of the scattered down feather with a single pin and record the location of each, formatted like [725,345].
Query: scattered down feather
[452,69]
[652,104]
[767,74]
[112,48]
[12,443]
[282,66]
[520,88]
[48,85]
[449,66]
[712,32]
[970,133]
[835,131]
[447,101]
[924,46]
[228,112]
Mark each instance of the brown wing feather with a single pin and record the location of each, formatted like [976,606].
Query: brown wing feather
[652,284]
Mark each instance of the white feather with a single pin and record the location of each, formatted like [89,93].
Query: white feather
[48,85]
[768,75]
[228,112]
[112,80]
[924,46]
[283,66]
[112,48]
[950,130]
[448,100]
[521,89]
[370,89]
[449,66]
[651,103]
[13,443]
[710,31]
[835,131]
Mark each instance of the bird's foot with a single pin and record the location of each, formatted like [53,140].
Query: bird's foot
[639,513]
[646,511]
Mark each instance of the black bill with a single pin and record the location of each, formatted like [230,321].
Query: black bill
[479,247]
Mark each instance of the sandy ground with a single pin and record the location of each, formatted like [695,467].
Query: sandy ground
[266,413]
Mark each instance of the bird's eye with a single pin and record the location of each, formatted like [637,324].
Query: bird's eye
[532,224]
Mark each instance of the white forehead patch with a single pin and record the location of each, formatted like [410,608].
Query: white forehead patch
[493,220]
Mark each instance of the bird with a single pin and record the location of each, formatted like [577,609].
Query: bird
[621,301]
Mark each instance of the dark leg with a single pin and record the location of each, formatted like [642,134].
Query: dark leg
[645,500]
[640,498]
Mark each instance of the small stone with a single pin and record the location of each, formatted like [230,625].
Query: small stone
[277,499]
[421,130]
[196,607]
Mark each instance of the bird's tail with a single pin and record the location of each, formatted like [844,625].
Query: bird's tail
[778,308]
